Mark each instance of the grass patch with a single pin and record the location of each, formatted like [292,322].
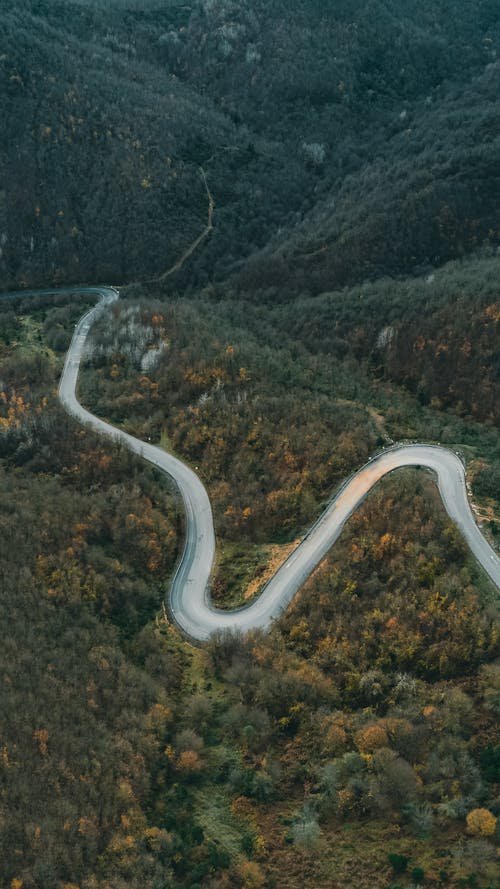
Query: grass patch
[243,568]
[30,339]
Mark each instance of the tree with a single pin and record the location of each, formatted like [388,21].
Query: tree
[305,831]
[481,823]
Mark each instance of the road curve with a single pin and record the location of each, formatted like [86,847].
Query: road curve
[193,572]
[189,599]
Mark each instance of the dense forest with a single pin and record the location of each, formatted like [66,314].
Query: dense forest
[301,202]
[366,719]
[340,141]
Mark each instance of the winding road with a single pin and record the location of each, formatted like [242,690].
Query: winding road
[189,598]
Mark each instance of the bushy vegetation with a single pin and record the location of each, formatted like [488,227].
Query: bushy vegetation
[255,417]
[83,559]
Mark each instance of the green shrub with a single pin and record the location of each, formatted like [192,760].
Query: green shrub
[421,818]
[490,763]
[399,863]
[418,874]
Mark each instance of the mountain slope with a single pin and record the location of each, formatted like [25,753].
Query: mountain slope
[338,143]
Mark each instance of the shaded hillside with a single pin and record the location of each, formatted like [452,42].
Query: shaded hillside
[100,179]
[338,143]
[437,334]
[431,193]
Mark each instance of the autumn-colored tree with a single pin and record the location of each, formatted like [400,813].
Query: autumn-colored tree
[481,823]
[189,762]
[334,738]
[371,737]
[251,875]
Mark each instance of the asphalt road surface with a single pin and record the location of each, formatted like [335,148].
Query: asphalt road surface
[189,598]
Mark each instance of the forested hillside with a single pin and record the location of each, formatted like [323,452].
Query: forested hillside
[303,199]
[366,719]
[343,140]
